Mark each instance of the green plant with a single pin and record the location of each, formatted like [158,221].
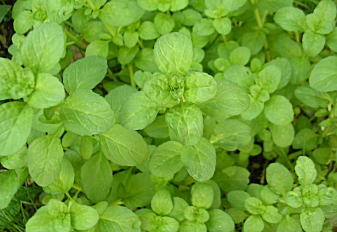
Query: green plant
[171,115]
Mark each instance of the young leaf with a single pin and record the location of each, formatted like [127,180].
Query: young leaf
[173,53]
[83,217]
[65,180]
[283,136]
[220,221]
[199,87]
[290,19]
[200,160]
[44,159]
[124,146]
[253,224]
[202,195]
[166,159]
[312,220]
[279,178]
[305,170]
[96,178]
[44,47]
[313,43]
[48,92]
[87,113]
[162,203]
[185,123]
[15,126]
[279,111]
[84,74]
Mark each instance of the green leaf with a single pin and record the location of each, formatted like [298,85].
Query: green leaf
[283,136]
[65,180]
[97,48]
[96,178]
[10,184]
[279,178]
[230,100]
[162,203]
[3,11]
[324,75]
[200,160]
[44,159]
[203,27]
[185,123]
[289,224]
[87,113]
[312,220]
[124,146]
[290,19]
[233,178]
[173,53]
[240,56]
[147,31]
[15,126]
[138,112]
[271,215]
[202,195]
[48,92]
[237,199]
[253,224]
[83,217]
[231,134]
[158,129]
[188,226]
[118,219]
[84,74]
[255,206]
[305,170]
[199,87]
[222,25]
[120,13]
[165,160]
[220,221]
[279,111]
[310,97]
[54,217]
[164,23]
[44,47]
[179,206]
[269,78]
[313,43]
[322,20]
[15,82]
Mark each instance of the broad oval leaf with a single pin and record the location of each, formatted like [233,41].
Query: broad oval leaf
[278,110]
[324,75]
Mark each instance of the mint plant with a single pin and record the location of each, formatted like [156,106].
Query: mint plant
[171,115]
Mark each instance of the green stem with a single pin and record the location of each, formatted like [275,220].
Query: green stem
[91,5]
[75,38]
[132,78]
[258,18]
[110,29]
[111,75]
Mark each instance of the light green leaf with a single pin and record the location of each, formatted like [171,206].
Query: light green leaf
[65,180]
[162,203]
[44,159]
[229,100]
[312,220]
[83,217]
[233,178]
[120,13]
[271,215]
[240,56]
[124,146]
[97,48]
[220,221]
[305,170]
[290,19]
[202,195]
[10,184]
[283,136]
[54,217]
[312,98]
[313,43]
[164,23]
[165,160]
[173,53]
[289,224]
[199,87]
[253,224]
[269,78]
[87,113]
[84,74]
[138,112]
[15,126]
[255,206]
[147,31]
[118,219]
[15,82]
[222,25]
[279,178]
[185,123]
[96,178]
[231,134]
[200,160]
[322,20]
[48,92]
[324,75]
[278,110]
[44,47]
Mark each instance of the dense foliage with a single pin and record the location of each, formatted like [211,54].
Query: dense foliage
[170,115]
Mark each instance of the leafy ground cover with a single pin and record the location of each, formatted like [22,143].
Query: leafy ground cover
[168,116]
